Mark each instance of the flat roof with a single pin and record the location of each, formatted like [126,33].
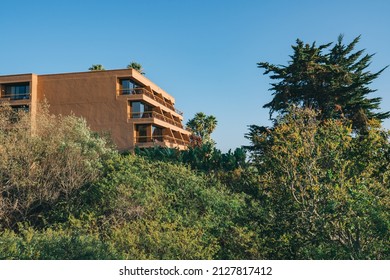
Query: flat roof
[120,72]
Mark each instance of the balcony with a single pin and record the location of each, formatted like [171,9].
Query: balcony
[159,140]
[153,114]
[148,93]
[15,96]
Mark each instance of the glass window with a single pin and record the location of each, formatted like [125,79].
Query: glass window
[128,86]
[141,110]
[157,133]
[137,109]
[18,91]
[142,133]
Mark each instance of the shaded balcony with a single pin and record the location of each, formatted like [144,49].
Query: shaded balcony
[160,140]
[13,96]
[154,114]
[148,135]
[15,92]
[145,91]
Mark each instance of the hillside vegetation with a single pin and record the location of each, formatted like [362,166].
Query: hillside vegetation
[309,191]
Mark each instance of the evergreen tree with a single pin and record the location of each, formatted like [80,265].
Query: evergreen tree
[333,80]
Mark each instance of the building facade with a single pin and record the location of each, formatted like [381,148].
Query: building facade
[124,103]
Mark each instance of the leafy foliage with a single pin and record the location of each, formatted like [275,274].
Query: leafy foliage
[43,163]
[205,158]
[326,193]
[167,211]
[323,168]
[50,244]
[69,196]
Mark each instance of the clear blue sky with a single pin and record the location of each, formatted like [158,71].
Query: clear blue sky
[203,52]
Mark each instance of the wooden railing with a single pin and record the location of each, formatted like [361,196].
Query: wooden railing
[147,92]
[17,96]
[153,114]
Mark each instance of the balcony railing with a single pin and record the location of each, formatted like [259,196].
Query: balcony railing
[134,91]
[160,139]
[16,96]
[153,114]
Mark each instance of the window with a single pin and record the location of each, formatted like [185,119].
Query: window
[128,86]
[141,133]
[17,91]
[140,110]
[157,133]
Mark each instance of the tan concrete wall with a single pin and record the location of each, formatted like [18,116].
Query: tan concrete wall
[91,95]
[16,78]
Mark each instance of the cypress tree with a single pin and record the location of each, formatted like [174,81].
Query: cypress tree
[333,80]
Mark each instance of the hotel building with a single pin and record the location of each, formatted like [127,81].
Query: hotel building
[124,103]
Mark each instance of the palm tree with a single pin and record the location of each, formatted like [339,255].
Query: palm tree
[202,126]
[136,66]
[96,67]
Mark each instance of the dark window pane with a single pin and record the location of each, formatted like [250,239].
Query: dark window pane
[137,109]
[141,110]
[17,91]
[157,133]
[128,86]
[142,133]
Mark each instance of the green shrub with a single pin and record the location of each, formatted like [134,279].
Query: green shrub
[49,244]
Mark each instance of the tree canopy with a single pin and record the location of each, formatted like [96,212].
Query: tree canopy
[323,167]
[333,80]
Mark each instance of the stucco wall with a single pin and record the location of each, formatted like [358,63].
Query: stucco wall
[91,95]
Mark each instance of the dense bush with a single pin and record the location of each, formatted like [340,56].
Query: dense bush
[167,211]
[144,210]
[43,162]
[325,190]
[30,244]
[205,158]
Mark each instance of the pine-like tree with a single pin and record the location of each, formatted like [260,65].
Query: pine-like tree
[333,80]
